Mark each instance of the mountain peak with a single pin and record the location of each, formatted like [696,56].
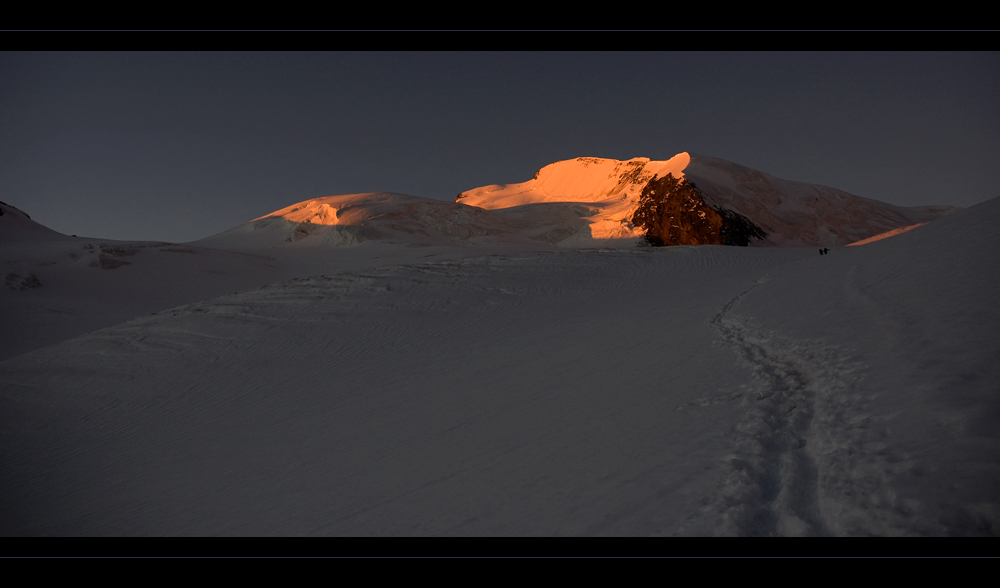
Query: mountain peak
[591,202]
[584,179]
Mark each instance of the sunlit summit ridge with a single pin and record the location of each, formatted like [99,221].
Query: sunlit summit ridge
[585,202]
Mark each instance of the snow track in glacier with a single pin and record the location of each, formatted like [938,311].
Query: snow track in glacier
[802,452]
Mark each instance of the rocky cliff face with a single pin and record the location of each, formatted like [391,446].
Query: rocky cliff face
[673,211]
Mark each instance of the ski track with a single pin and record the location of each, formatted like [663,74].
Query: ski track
[806,452]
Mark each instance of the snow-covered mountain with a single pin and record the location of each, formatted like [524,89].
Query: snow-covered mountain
[604,194]
[799,214]
[353,218]
[509,364]
[584,203]
[17,227]
[58,285]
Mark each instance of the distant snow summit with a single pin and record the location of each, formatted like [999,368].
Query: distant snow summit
[586,202]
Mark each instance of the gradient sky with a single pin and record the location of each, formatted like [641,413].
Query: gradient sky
[179,146]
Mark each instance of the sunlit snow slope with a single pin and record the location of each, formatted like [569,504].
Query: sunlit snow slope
[604,194]
[578,202]
[670,391]
[586,202]
[353,218]
[886,235]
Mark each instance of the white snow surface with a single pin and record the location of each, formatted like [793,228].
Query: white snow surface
[57,286]
[350,219]
[583,202]
[468,387]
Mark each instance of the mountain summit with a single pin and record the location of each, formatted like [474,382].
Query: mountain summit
[688,199]
[784,213]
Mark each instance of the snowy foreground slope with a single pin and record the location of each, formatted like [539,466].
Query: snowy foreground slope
[677,391]
[57,286]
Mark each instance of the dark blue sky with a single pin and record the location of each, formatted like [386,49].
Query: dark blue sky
[178,146]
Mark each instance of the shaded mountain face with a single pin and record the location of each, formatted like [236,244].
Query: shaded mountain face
[17,227]
[796,214]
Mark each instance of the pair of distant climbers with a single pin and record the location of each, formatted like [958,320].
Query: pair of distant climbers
[824,251]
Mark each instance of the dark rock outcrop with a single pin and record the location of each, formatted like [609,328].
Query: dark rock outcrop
[674,212]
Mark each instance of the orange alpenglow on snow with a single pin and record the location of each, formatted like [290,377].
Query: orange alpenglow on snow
[314,211]
[885,235]
[606,190]
[592,202]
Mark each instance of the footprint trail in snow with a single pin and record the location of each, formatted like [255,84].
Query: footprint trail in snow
[800,452]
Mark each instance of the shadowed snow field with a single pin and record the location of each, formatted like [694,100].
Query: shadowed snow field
[699,390]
